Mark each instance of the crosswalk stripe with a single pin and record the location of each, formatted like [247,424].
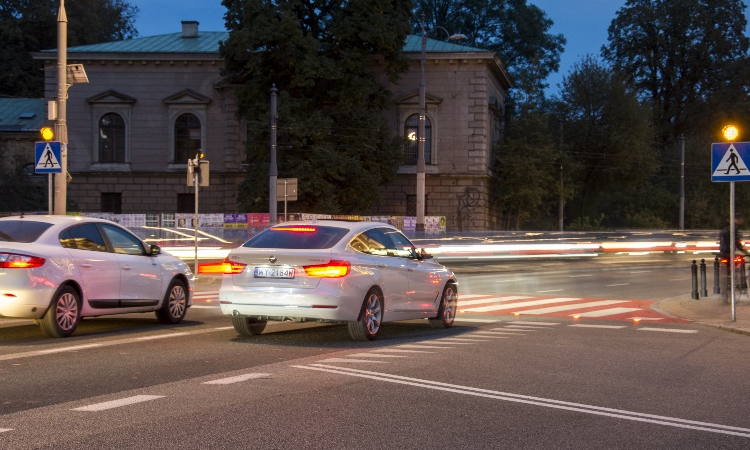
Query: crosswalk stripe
[546,301]
[553,309]
[527,322]
[608,327]
[489,299]
[347,360]
[667,330]
[607,312]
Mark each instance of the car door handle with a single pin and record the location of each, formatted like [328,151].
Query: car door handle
[85,265]
[382,265]
[126,267]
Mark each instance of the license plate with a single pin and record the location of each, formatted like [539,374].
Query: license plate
[274,272]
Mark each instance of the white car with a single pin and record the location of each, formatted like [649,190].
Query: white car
[361,273]
[58,269]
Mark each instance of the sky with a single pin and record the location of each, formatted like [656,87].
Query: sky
[584,23]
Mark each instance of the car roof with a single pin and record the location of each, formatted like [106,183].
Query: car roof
[354,226]
[52,219]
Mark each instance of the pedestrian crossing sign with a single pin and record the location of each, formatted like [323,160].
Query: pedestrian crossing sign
[728,161]
[47,157]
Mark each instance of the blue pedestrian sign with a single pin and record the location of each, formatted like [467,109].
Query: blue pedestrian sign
[47,157]
[729,161]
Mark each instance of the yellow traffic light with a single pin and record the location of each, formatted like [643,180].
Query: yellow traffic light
[730,132]
[47,133]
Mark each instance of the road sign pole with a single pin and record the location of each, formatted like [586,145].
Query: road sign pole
[732,250]
[50,201]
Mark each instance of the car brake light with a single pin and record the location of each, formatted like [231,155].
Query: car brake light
[16,261]
[231,268]
[296,229]
[334,269]
[214,267]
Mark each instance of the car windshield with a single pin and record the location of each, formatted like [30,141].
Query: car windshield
[22,230]
[297,237]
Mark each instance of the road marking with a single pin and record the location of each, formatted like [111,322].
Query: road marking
[462,339]
[489,299]
[476,320]
[395,350]
[216,306]
[581,325]
[516,305]
[419,346]
[528,322]
[3,430]
[375,355]
[580,276]
[550,290]
[347,360]
[606,312]
[537,401]
[679,279]
[523,328]
[118,403]
[618,284]
[553,309]
[495,331]
[238,378]
[641,271]
[508,280]
[667,330]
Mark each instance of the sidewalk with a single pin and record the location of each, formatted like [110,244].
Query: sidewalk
[711,311]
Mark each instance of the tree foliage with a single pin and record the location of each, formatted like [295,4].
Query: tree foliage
[31,25]
[332,134]
[516,30]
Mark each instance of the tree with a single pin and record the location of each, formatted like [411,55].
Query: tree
[610,159]
[31,25]
[678,54]
[516,30]
[332,134]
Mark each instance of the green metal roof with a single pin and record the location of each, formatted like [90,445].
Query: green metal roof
[22,115]
[208,42]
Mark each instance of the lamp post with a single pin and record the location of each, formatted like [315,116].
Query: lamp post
[61,127]
[421,126]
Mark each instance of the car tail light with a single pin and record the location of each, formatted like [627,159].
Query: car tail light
[231,268]
[17,261]
[334,269]
[214,267]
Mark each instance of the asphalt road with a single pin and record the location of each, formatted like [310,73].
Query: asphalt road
[489,382]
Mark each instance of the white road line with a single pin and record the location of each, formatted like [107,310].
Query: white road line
[507,298]
[3,430]
[347,360]
[667,330]
[641,271]
[581,325]
[495,333]
[419,346]
[523,328]
[118,403]
[528,322]
[606,312]
[375,355]
[580,276]
[546,301]
[469,320]
[550,290]
[508,280]
[238,378]
[395,350]
[553,309]
[679,279]
[495,330]
[487,335]
[537,401]
[462,339]
[216,306]
[618,284]
[67,349]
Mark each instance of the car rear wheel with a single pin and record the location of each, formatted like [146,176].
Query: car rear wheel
[366,328]
[248,326]
[447,311]
[64,314]
[174,306]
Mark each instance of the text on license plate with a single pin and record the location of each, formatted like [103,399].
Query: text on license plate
[274,272]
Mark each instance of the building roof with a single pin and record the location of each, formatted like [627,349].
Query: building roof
[22,115]
[208,42]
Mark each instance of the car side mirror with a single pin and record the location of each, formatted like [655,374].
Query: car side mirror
[154,250]
[422,254]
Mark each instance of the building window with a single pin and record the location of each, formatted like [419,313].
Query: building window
[411,130]
[111,138]
[185,203]
[187,137]
[112,202]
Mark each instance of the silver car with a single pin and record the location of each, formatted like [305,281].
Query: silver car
[58,269]
[361,273]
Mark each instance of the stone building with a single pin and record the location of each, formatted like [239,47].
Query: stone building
[152,102]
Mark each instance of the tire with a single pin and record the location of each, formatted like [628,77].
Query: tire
[367,326]
[174,306]
[447,310]
[248,326]
[64,314]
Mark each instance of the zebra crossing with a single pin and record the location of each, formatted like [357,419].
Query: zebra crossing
[488,305]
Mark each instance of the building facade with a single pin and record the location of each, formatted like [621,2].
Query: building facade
[151,103]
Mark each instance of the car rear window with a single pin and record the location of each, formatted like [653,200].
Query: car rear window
[22,230]
[297,237]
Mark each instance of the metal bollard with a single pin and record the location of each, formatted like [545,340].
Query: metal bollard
[717,289]
[704,291]
[694,270]
[743,277]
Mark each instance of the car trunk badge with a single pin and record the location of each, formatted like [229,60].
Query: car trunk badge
[272,259]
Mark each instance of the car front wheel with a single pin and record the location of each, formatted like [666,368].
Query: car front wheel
[367,327]
[447,311]
[64,314]
[174,306]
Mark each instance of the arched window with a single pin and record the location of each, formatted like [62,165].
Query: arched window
[411,130]
[187,137]
[111,138]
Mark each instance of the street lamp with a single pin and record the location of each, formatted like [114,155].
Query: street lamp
[421,127]
[731,133]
